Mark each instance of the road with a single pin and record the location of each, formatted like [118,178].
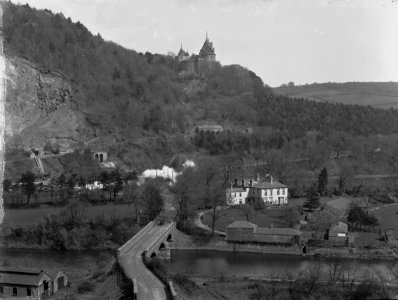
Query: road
[198,223]
[130,258]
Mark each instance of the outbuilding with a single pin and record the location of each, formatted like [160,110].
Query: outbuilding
[285,236]
[30,283]
[338,231]
[240,231]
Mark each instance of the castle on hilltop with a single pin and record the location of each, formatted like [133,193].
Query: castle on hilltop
[197,63]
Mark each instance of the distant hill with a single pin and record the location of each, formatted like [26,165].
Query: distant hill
[376,94]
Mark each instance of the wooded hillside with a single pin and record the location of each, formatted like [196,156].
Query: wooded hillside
[145,111]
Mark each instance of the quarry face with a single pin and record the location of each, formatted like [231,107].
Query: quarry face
[40,107]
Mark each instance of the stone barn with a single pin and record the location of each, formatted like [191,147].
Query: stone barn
[24,284]
[240,231]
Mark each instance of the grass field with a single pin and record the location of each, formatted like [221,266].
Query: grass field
[341,204]
[264,218]
[388,216]
[32,216]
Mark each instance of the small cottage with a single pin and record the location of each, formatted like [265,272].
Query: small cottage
[338,231]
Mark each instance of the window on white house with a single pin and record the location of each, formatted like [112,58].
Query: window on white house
[28,292]
[277,192]
[14,291]
[1,289]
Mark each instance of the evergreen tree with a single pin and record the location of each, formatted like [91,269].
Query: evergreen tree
[342,184]
[323,181]
[28,185]
[312,201]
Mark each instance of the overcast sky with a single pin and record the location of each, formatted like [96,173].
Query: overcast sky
[303,41]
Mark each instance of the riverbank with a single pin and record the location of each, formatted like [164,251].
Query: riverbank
[235,275]
[217,243]
[34,246]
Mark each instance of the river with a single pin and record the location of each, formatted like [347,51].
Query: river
[216,263]
[78,264]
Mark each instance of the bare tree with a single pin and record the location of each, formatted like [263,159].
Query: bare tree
[311,279]
[248,211]
[335,270]
[293,282]
[132,195]
[184,200]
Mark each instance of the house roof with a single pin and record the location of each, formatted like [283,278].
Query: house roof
[277,231]
[339,227]
[236,189]
[54,274]
[29,277]
[207,48]
[20,270]
[182,52]
[269,185]
[242,224]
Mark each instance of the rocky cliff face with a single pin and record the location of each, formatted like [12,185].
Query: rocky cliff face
[40,107]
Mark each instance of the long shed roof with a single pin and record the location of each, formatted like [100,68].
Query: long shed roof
[242,224]
[277,231]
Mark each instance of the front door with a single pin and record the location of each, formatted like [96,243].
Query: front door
[61,282]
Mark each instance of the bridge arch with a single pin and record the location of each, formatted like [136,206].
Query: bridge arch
[162,246]
[169,238]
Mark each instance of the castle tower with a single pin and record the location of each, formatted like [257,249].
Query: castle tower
[207,52]
[182,55]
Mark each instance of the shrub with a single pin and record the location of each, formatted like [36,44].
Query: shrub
[85,286]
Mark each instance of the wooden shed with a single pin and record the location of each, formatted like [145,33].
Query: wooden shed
[59,280]
[286,236]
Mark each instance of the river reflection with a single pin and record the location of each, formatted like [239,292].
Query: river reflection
[216,263]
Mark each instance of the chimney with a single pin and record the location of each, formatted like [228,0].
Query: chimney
[270,178]
[251,183]
[258,177]
[236,182]
[243,183]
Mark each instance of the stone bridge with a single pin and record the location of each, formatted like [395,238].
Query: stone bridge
[152,240]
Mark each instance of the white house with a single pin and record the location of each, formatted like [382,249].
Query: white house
[269,191]
[272,193]
[236,195]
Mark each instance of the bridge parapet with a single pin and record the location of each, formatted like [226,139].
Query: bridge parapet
[136,237]
[162,243]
